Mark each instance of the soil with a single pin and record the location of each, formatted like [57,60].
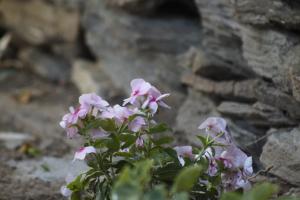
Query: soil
[21,90]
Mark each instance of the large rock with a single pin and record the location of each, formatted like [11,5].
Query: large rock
[249,50]
[258,114]
[282,152]
[48,66]
[130,46]
[89,77]
[268,12]
[39,22]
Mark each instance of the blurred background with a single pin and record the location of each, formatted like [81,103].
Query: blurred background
[239,59]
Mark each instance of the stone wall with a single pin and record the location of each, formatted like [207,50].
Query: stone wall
[239,59]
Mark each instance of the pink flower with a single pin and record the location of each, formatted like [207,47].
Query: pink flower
[136,124]
[235,180]
[248,169]
[72,131]
[83,151]
[120,113]
[139,142]
[154,99]
[212,167]
[184,151]
[236,157]
[92,100]
[139,87]
[72,117]
[64,190]
[98,133]
[215,126]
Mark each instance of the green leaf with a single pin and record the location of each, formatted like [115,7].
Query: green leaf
[181,196]
[75,196]
[126,192]
[76,184]
[171,152]
[125,137]
[167,172]
[288,198]
[107,125]
[163,140]
[262,191]
[186,179]
[158,193]
[123,154]
[202,139]
[112,143]
[231,196]
[132,181]
[128,138]
[159,128]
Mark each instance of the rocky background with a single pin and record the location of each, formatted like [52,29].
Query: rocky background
[239,59]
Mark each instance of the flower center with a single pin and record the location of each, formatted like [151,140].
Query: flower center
[81,149]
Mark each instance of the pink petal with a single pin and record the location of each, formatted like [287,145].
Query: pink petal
[153,107]
[162,96]
[82,152]
[65,191]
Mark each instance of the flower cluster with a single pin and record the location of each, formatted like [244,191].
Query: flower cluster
[236,165]
[121,135]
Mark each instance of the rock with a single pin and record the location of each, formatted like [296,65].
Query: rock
[38,22]
[194,110]
[47,169]
[136,6]
[51,67]
[250,50]
[12,139]
[258,114]
[268,12]
[204,65]
[266,52]
[138,46]
[221,38]
[293,71]
[35,189]
[282,152]
[242,90]
[270,95]
[89,77]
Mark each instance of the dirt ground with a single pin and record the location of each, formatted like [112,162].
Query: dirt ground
[32,106]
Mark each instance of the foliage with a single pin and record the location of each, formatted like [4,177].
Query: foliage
[130,157]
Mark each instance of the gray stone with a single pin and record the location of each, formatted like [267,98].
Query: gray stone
[270,95]
[47,169]
[52,67]
[195,109]
[138,46]
[282,152]
[268,12]
[221,36]
[12,139]
[242,90]
[205,65]
[258,114]
[38,22]
[89,77]
[136,6]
